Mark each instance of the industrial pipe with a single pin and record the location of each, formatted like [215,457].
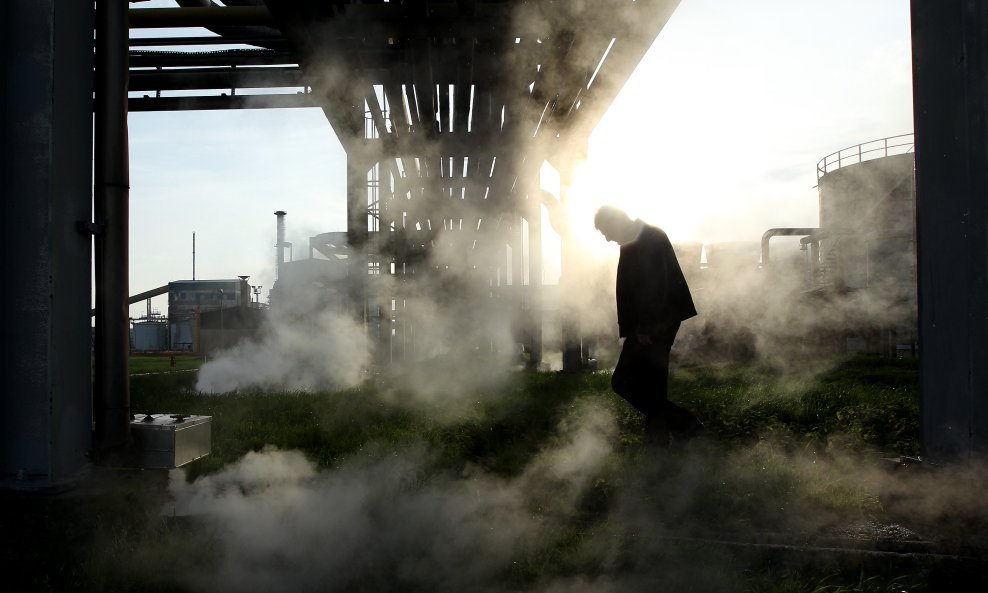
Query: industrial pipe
[782,232]
[142,296]
[229,16]
[111,195]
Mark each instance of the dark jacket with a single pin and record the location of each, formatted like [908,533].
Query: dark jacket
[652,294]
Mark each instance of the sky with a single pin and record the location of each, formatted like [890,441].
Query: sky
[715,138]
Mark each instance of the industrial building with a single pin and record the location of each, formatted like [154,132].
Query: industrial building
[206,315]
[203,316]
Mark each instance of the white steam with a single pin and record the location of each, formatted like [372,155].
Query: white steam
[382,521]
[323,350]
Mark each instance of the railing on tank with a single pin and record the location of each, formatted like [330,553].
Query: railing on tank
[874,149]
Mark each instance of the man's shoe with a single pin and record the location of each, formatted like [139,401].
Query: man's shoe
[656,433]
[693,430]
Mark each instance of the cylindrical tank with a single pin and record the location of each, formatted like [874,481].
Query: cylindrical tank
[868,241]
[877,193]
[150,336]
[868,209]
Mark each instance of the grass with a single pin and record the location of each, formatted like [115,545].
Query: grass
[141,364]
[876,400]
[784,454]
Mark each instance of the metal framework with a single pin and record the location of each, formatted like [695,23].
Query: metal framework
[447,111]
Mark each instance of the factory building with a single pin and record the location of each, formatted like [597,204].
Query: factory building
[207,315]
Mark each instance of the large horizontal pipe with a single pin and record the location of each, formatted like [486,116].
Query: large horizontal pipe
[177,59]
[783,232]
[210,103]
[215,78]
[261,40]
[147,294]
[143,296]
[230,16]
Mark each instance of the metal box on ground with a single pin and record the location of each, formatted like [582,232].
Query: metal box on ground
[166,441]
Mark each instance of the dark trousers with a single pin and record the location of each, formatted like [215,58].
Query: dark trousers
[642,378]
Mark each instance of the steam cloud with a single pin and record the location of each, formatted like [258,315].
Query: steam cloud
[385,521]
[381,521]
[325,350]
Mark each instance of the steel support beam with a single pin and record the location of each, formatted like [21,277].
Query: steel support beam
[211,103]
[111,195]
[357,232]
[950,92]
[534,292]
[574,355]
[45,168]
[226,16]
[220,77]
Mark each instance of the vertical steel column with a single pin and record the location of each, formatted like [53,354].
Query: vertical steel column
[570,330]
[357,232]
[535,305]
[46,79]
[111,194]
[950,94]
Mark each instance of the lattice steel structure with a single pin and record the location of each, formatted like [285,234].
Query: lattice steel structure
[447,111]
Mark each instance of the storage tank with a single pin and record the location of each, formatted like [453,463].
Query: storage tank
[867,211]
[150,336]
[867,244]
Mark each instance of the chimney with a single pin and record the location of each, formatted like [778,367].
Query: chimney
[279,246]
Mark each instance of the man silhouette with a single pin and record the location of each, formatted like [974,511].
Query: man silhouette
[653,299]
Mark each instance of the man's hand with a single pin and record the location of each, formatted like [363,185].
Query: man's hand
[644,339]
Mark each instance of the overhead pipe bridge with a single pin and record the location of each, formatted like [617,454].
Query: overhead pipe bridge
[447,111]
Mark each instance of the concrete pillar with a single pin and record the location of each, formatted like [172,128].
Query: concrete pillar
[950,45]
[46,70]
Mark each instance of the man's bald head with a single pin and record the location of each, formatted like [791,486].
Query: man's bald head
[616,225]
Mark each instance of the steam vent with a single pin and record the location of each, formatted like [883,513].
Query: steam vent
[446,110]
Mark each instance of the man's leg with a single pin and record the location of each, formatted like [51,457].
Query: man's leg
[641,377]
[677,420]
[631,376]
[633,380]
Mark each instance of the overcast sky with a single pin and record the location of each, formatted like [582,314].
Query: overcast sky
[715,138]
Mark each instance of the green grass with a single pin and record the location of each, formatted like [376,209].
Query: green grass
[784,454]
[876,400]
[142,364]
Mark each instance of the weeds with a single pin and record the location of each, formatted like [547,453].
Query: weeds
[779,457]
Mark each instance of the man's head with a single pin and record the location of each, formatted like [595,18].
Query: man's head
[615,225]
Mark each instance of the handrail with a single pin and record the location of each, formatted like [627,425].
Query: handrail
[901,144]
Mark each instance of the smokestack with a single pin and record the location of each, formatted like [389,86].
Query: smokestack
[279,246]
